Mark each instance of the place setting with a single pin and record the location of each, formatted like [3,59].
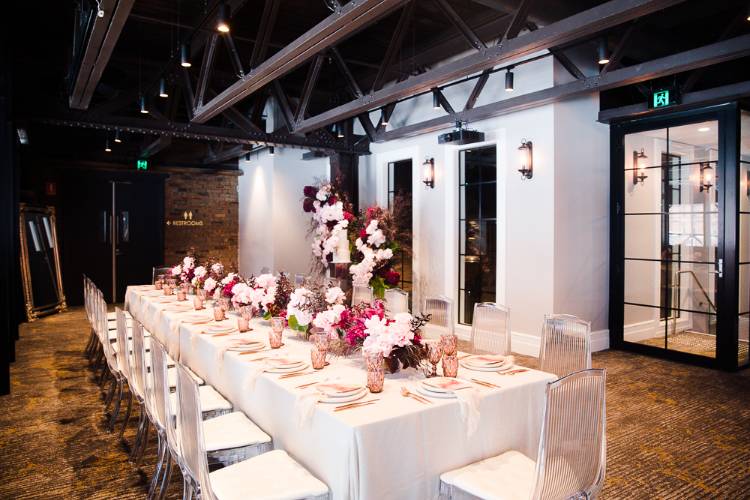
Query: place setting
[489,363]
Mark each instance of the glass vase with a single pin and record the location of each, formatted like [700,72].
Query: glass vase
[450,365]
[319,349]
[275,336]
[243,322]
[375,372]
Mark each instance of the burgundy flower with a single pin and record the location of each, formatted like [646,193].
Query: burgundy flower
[332,200]
[392,278]
[307,205]
[348,216]
[310,191]
[362,234]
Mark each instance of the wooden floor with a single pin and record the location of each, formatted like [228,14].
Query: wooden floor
[673,431]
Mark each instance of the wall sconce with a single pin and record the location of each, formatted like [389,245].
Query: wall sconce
[428,172]
[525,153]
[707,177]
[639,166]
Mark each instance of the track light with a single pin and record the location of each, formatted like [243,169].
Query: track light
[163,88]
[270,151]
[602,52]
[339,131]
[185,55]
[509,81]
[383,118]
[142,101]
[106,147]
[222,18]
[435,100]
[117,137]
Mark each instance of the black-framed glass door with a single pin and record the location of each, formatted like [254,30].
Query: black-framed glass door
[676,237]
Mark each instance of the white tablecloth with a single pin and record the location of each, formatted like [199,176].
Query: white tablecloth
[393,449]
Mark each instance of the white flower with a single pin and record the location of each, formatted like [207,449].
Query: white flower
[200,272]
[377,340]
[372,226]
[327,319]
[268,297]
[217,268]
[303,317]
[176,270]
[188,262]
[383,254]
[335,295]
[323,192]
[229,278]
[265,280]
[376,239]
[333,212]
[209,284]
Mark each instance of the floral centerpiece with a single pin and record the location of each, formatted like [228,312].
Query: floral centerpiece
[225,287]
[331,215]
[242,295]
[184,271]
[272,294]
[376,245]
[314,299]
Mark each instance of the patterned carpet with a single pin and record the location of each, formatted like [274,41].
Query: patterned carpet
[673,431]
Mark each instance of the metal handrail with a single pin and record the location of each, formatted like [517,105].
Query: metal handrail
[697,281]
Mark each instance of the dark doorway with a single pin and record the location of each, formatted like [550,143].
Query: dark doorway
[400,191]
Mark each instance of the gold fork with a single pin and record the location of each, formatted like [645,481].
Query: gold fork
[408,394]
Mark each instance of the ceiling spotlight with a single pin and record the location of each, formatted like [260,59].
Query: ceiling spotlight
[339,131]
[163,88]
[23,136]
[117,137]
[602,52]
[247,156]
[222,18]
[435,100]
[185,55]
[142,101]
[383,118]
[509,81]
[704,129]
[270,151]
[106,147]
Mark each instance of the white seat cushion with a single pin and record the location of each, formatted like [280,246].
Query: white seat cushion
[270,476]
[509,476]
[211,400]
[232,430]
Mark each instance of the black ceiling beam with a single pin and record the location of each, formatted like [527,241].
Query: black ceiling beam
[157,145]
[209,53]
[684,61]
[234,56]
[101,42]
[568,30]
[227,154]
[477,89]
[201,33]
[443,101]
[460,24]
[307,88]
[518,22]
[394,46]
[560,56]
[267,22]
[616,57]
[284,106]
[187,92]
[334,28]
[351,82]
[195,132]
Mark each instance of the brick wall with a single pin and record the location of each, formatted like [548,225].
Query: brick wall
[211,227]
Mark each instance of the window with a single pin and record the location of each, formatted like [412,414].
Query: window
[399,185]
[477,229]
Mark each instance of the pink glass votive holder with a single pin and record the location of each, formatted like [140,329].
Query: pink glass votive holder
[276,334]
[219,313]
[319,350]
[450,365]
[243,324]
[375,372]
[449,342]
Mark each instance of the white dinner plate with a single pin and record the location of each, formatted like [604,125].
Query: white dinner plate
[500,369]
[196,319]
[443,384]
[362,392]
[221,328]
[337,390]
[485,360]
[247,346]
[442,395]
[294,369]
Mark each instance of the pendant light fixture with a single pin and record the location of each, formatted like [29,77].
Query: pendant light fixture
[142,101]
[339,131]
[383,118]
[163,88]
[509,81]
[270,151]
[602,52]
[117,137]
[222,18]
[435,100]
[106,146]
[185,55]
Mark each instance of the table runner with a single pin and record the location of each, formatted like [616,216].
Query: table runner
[396,448]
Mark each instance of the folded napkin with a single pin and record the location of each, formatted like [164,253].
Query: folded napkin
[468,404]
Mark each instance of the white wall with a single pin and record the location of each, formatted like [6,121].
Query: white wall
[273,227]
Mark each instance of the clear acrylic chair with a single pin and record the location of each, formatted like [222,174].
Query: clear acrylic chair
[565,344]
[361,294]
[158,270]
[138,387]
[255,478]
[490,329]
[440,310]
[124,362]
[396,301]
[571,459]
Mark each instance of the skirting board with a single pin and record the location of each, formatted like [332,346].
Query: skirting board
[528,345]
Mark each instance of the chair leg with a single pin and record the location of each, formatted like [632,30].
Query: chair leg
[144,443]
[167,478]
[110,393]
[127,415]
[116,411]
[187,489]
[138,435]
[160,456]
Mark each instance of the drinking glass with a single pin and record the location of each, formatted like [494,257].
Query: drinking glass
[219,313]
[449,342]
[199,299]
[277,331]
[375,371]
[434,354]
[158,283]
[450,365]
[243,322]
[319,349]
[224,304]
[167,288]
[182,291]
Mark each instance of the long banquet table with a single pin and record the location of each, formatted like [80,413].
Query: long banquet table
[395,448]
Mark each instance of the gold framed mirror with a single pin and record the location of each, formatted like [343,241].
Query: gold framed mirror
[40,262]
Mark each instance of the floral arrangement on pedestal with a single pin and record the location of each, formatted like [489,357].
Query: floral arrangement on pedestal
[377,242]
[331,216]
[184,271]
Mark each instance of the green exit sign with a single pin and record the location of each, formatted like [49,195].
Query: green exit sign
[662,98]
[141,165]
